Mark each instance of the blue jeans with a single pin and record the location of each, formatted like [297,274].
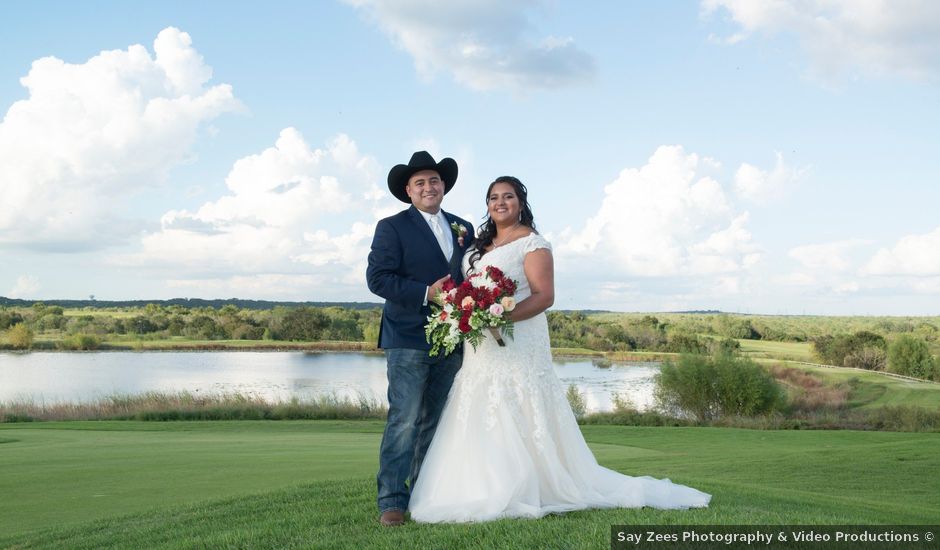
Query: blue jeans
[417,390]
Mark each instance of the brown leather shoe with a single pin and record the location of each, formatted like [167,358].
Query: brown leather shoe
[392,518]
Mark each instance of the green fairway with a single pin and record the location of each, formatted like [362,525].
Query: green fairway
[797,351]
[873,389]
[310,483]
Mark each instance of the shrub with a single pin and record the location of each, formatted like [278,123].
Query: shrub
[808,393]
[910,356]
[833,350]
[140,325]
[928,331]
[902,418]
[623,403]
[684,343]
[51,319]
[303,323]
[868,358]
[203,327]
[344,326]
[248,332]
[20,336]
[175,325]
[616,334]
[731,327]
[576,400]
[629,417]
[726,346]
[8,318]
[87,342]
[712,387]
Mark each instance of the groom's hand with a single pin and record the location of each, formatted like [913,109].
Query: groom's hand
[435,290]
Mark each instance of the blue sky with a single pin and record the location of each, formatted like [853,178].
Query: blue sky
[761,157]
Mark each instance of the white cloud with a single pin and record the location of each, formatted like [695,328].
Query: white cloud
[930,285]
[90,134]
[830,257]
[827,268]
[914,255]
[665,220]
[847,287]
[485,44]
[795,279]
[911,266]
[26,287]
[874,37]
[293,216]
[758,185]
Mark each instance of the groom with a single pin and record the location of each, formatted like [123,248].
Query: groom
[413,253]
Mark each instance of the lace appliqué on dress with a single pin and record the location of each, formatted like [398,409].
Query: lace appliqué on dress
[511,379]
[508,445]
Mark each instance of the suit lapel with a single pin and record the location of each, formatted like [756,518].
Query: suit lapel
[457,257]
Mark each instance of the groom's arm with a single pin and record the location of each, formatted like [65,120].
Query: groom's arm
[384,272]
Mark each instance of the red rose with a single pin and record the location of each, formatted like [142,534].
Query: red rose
[464,324]
[463,291]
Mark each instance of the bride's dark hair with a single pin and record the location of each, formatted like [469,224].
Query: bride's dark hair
[487,230]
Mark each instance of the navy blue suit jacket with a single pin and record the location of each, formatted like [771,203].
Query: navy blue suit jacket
[404,261]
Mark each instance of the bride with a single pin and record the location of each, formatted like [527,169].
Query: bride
[507,444]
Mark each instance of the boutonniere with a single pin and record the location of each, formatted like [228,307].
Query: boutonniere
[459,230]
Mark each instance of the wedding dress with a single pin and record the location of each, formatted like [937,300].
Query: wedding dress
[508,445]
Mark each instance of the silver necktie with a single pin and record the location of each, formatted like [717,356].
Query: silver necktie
[442,239]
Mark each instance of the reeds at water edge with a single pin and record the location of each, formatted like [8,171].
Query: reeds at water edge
[185,405]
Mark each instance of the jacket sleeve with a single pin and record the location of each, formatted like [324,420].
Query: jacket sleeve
[384,275]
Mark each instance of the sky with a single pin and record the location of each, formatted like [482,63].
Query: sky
[773,157]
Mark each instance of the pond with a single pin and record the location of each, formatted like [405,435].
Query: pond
[55,376]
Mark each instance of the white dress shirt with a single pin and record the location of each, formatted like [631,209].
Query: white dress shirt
[442,234]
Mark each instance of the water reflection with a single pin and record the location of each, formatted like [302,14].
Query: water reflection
[54,377]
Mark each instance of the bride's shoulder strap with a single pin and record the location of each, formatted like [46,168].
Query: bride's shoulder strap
[534,242]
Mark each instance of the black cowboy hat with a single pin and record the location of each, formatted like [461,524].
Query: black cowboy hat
[399,175]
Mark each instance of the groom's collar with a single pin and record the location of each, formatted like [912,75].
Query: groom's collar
[427,216]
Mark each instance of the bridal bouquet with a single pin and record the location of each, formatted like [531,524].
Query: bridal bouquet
[477,304]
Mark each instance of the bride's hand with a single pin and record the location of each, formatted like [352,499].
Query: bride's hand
[435,290]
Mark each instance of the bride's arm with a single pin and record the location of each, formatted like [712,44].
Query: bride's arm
[540,272]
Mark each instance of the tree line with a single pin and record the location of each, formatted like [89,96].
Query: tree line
[154,322]
[903,345]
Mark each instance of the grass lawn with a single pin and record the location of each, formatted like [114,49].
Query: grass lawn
[796,351]
[877,390]
[310,484]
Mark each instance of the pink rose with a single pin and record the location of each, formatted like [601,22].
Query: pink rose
[496,310]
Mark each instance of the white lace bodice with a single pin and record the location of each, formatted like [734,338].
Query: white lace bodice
[519,375]
[509,258]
